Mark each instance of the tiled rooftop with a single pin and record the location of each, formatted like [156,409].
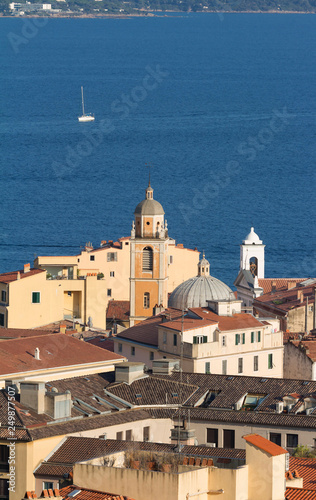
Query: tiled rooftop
[118,310]
[284,300]
[306,468]
[56,350]
[299,494]
[79,449]
[147,331]
[226,323]
[279,283]
[15,333]
[13,275]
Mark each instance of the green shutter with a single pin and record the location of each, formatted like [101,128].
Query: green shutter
[204,339]
[252,337]
[236,339]
[194,340]
[259,336]
[243,338]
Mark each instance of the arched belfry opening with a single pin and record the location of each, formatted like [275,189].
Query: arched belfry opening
[148,259]
[253,266]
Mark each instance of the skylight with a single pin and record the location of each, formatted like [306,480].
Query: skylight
[73,493]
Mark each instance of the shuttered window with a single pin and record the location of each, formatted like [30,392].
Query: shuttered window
[147,259]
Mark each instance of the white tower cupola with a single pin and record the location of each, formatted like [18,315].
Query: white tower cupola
[252,255]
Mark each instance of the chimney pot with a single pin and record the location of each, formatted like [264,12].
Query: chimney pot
[37,353]
[18,276]
[27,268]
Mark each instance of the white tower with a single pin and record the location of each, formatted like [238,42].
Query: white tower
[252,255]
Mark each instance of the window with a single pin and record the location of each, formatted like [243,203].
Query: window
[240,363]
[207,367]
[36,297]
[270,361]
[146,300]
[3,296]
[146,432]
[48,485]
[164,337]
[112,274]
[237,338]
[252,337]
[151,355]
[133,350]
[120,347]
[243,338]
[109,292]
[224,367]
[200,339]
[1,319]
[175,339]
[275,438]
[4,457]
[291,440]
[112,256]
[128,435]
[92,257]
[229,438]
[4,489]
[255,363]
[224,340]
[69,294]
[212,436]
[259,336]
[119,436]
[170,259]
[147,259]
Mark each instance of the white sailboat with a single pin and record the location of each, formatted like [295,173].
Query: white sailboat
[86,117]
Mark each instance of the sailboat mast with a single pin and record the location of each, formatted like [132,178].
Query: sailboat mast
[82,100]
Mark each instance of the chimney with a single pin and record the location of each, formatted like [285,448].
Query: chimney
[103,242]
[27,268]
[32,395]
[291,284]
[37,353]
[273,286]
[18,276]
[300,296]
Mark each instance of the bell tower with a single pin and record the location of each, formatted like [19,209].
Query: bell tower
[252,255]
[149,259]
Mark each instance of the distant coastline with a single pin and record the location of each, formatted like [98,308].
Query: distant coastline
[147,14]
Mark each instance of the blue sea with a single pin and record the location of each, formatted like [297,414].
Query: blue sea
[222,106]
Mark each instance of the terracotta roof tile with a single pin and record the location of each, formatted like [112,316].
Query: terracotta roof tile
[103,342]
[118,310]
[299,494]
[13,276]
[305,468]
[88,494]
[14,333]
[225,323]
[147,331]
[280,283]
[265,445]
[56,350]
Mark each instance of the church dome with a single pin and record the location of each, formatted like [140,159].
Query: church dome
[149,206]
[195,292]
[252,238]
